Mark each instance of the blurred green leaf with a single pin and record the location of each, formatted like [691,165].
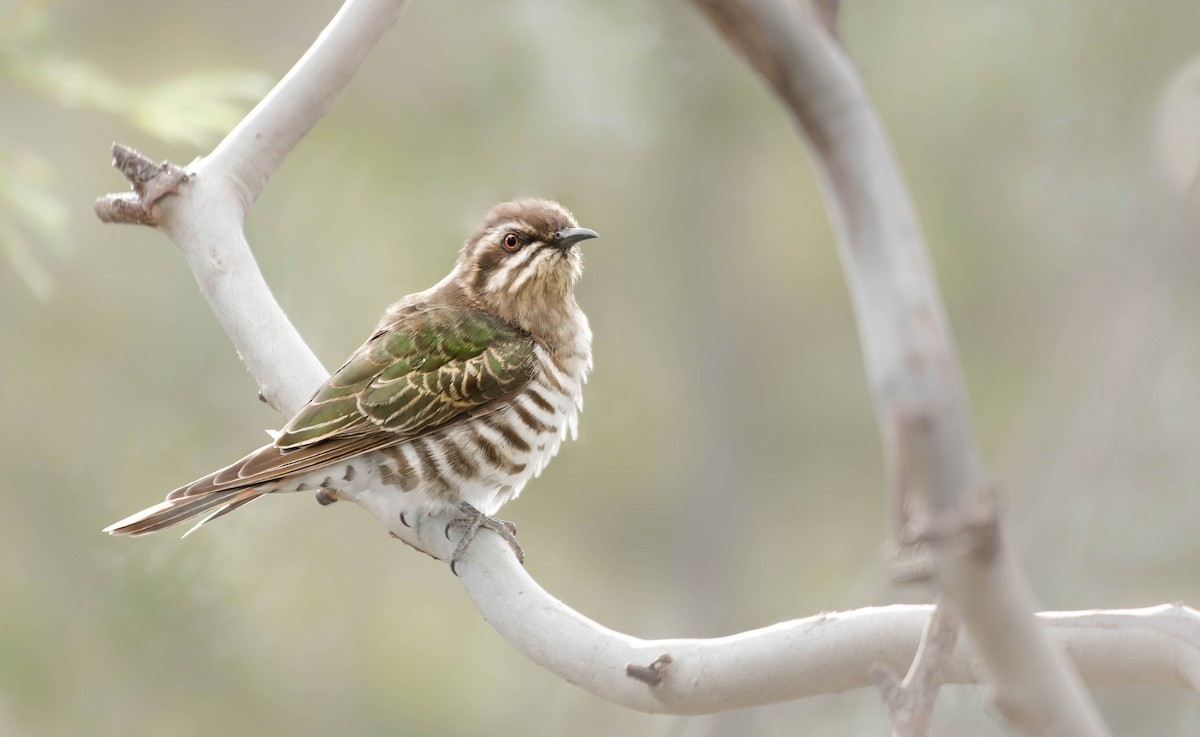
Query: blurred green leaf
[68,82]
[29,210]
[192,110]
[20,255]
[22,20]
[25,192]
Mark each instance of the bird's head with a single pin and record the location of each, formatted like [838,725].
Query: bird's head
[522,263]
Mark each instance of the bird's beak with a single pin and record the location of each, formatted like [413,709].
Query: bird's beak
[564,239]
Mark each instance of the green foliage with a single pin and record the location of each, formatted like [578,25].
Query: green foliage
[30,213]
[191,110]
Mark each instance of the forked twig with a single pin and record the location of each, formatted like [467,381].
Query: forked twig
[151,182]
[910,702]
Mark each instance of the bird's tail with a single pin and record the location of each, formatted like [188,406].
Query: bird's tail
[179,510]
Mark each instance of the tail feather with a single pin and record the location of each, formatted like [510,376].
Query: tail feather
[174,512]
[227,507]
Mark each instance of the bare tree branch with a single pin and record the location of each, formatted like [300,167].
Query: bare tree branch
[910,702]
[941,494]
[828,653]
[828,12]
[207,224]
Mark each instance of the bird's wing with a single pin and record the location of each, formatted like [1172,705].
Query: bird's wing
[424,370]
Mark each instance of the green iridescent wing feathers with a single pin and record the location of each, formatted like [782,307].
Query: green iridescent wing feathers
[424,371]
[429,366]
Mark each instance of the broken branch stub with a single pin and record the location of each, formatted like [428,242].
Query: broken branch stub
[150,181]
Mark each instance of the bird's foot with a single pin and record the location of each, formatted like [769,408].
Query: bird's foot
[472,520]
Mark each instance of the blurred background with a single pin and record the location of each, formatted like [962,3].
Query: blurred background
[728,474]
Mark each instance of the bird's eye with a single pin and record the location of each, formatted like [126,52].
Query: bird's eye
[511,242]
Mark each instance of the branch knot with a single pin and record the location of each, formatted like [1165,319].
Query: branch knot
[651,674]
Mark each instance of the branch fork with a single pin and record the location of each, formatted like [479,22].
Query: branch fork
[151,182]
[910,702]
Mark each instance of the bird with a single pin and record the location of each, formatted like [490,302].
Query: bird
[461,394]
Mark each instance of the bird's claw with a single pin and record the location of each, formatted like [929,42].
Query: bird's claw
[472,521]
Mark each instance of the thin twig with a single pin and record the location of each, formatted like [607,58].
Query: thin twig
[910,702]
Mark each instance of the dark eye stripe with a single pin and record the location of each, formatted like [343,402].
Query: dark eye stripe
[518,277]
